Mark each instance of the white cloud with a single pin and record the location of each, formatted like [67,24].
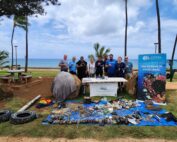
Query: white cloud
[89,18]
[76,25]
[175,2]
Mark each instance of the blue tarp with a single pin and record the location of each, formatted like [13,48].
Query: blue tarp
[122,112]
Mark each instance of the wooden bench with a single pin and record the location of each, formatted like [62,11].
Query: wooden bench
[25,77]
[7,78]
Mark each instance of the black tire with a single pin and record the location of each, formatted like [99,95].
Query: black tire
[5,115]
[23,117]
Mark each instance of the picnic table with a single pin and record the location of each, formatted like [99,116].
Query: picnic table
[13,72]
[103,86]
[19,72]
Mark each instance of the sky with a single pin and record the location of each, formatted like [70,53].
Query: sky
[76,25]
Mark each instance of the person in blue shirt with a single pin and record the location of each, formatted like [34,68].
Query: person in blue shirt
[72,66]
[111,66]
[128,68]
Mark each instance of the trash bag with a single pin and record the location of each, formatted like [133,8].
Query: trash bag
[65,86]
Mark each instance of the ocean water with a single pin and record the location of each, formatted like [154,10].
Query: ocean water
[53,63]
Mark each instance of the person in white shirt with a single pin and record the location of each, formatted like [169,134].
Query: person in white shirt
[63,64]
[91,67]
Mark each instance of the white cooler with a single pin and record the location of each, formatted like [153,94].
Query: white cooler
[103,87]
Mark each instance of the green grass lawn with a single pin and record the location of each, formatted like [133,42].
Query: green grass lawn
[36,73]
[36,129]
[175,77]
[49,73]
[42,73]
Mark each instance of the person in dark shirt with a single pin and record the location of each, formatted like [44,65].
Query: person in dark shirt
[99,67]
[120,71]
[81,68]
[105,68]
[120,68]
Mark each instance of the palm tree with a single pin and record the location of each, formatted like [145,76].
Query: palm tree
[3,56]
[126,25]
[101,51]
[172,71]
[159,26]
[18,21]
[26,57]
[91,56]
[12,46]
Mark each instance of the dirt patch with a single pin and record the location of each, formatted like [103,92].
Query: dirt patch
[25,139]
[41,87]
[2,103]
[6,93]
[32,89]
[171,85]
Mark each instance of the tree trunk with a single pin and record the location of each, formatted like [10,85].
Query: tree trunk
[172,60]
[12,46]
[26,57]
[159,26]
[126,25]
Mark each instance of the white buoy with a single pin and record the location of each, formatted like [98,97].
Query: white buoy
[25,107]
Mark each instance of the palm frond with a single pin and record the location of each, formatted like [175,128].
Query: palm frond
[96,47]
[91,56]
[21,22]
[3,56]
[4,62]
[107,51]
[102,51]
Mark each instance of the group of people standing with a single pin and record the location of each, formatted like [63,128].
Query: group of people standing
[107,66]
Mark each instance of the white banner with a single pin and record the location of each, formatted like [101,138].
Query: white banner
[103,89]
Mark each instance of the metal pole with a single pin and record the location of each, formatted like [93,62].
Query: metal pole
[16,55]
[156,47]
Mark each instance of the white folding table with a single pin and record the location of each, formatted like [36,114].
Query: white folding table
[103,87]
